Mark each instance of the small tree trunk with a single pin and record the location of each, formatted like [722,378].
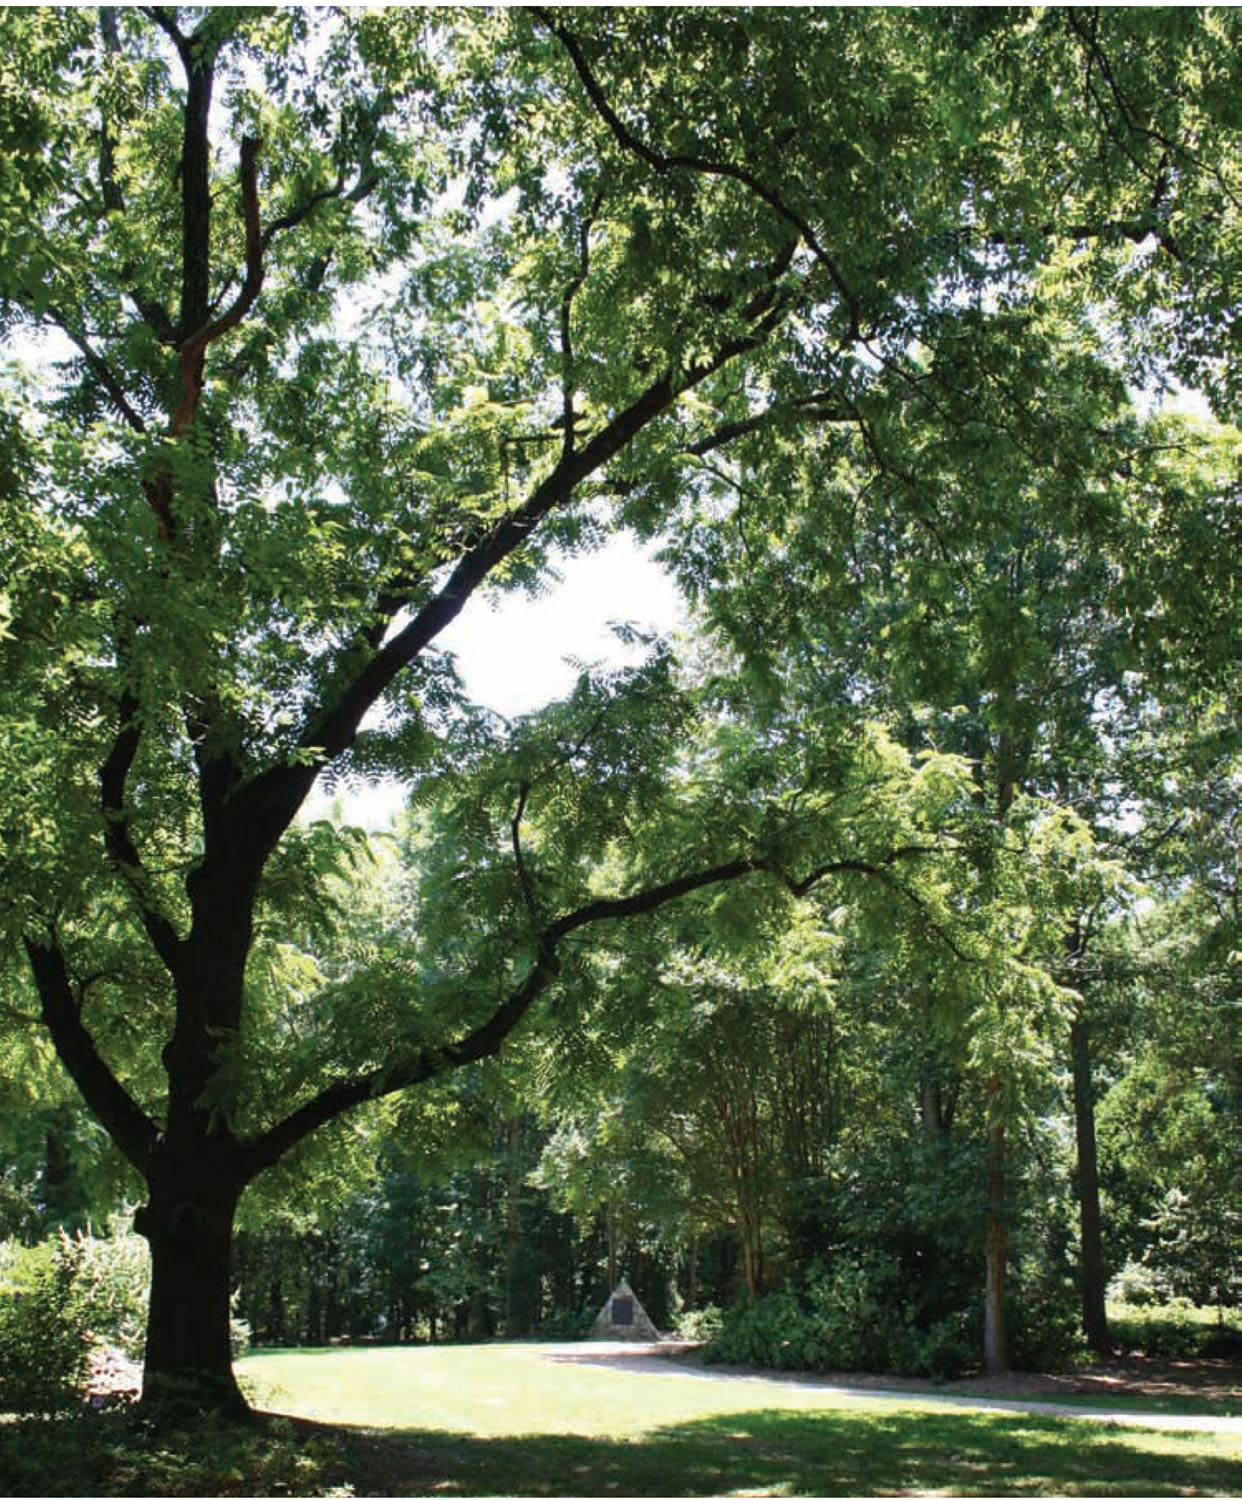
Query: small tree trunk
[518,1308]
[1094,1313]
[610,1225]
[189,1360]
[995,1339]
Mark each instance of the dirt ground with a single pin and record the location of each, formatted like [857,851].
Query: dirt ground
[1214,1379]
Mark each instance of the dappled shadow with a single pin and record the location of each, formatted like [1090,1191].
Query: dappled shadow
[835,1452]
[820,1453]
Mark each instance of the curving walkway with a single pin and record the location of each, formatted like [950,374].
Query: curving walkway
[661,1362]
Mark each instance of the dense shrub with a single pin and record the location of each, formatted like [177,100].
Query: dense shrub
[850,1317]
[1044,1318]
[564,1324]
[112,1283]
[44,1341]
[65,1297]
[1177,1330]
[700,1323]
[1138,1285]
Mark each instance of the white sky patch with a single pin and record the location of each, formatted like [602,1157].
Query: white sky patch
[515,655]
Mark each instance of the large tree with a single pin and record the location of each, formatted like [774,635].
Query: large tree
[357,316]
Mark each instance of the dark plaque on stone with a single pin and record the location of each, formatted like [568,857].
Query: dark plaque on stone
[623,1312]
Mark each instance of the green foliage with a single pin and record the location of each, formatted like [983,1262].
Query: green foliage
[702,1324]
[44,1337]
[111,1285]
[564,1325]
[854,1316]
[1175,1331]
[860,319]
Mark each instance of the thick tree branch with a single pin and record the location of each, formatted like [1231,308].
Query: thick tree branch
[129,1126]
[194,347]
[486,1039]
[117,839]
[164,20]
[272,799]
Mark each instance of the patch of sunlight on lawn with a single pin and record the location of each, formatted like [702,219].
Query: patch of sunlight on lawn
[504,1390]
[526,1419]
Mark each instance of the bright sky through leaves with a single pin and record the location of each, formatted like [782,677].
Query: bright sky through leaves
[513,654]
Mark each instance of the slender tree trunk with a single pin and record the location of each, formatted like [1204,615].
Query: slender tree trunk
[995,1338]
[934,1123]
[517,1297]
[1094,1313]
[752,1251]
[610,1223]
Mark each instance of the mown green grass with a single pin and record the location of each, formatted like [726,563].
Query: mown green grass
[1182,1406]
[509,1420]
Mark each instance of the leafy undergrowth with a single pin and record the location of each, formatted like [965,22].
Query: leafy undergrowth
[120,1452]
[775,1452]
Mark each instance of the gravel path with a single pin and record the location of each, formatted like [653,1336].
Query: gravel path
[662,1362]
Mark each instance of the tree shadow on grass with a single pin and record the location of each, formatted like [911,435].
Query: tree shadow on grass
[789,1453]
[757,1452]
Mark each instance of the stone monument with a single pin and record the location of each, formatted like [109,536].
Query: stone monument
[624,1317]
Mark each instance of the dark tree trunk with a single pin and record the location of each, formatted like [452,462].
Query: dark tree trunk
[189,1360]
[1094,1314]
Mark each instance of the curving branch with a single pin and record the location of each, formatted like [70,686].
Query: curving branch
[162,17]
[100,367]
[572,288]
[487,1038]
[118,840]
[820,406]
[271,800]
[661,161]
[519,859]
[126,1122]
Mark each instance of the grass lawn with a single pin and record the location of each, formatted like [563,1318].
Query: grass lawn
[522,1420]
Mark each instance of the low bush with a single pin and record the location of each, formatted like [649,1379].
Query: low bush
[1045,1323]
[1176,1330]
[564,1325]
[113,1282]
[44,1341]
[850,1317]
[700,1323]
